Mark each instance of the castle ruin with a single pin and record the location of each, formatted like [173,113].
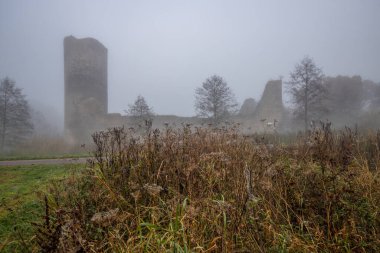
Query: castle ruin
[86,97]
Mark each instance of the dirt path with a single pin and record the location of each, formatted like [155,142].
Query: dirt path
[44,161]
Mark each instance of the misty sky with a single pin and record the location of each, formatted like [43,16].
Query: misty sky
[164,49]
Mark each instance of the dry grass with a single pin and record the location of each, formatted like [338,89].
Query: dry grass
[214,190]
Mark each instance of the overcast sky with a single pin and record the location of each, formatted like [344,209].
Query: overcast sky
[164,49]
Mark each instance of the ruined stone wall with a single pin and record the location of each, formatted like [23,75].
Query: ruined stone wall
[86,91]
[86,98]
[269,114]
[270,107]
[248,108]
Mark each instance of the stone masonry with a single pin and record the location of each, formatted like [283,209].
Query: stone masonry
[86,91]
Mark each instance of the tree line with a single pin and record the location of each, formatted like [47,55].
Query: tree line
[313,95]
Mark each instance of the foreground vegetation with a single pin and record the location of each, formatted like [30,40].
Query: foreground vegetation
[20,204]
[213,190]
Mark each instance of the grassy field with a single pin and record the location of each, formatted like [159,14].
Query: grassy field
[13,157]
[201,190]
[43,147]
[214,190]
[19,201]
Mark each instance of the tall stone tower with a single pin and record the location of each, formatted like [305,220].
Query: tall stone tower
[86,89]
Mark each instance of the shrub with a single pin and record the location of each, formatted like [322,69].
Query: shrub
[215,190]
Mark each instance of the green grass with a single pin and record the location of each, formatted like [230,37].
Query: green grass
[19,203]
[37,157]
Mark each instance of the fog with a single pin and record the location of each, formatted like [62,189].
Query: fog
[164,49]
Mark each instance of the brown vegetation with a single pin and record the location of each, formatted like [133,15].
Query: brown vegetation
[214,190]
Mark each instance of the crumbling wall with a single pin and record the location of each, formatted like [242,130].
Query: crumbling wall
[86,91]
[248,108]
[86,97]
[269,114]
[270,108]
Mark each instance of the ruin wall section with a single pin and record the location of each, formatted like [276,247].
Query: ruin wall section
[270,107]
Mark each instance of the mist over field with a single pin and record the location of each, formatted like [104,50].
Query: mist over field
[164,50]
[189,126]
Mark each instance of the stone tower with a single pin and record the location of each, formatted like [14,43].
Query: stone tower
[270,107]
[86,90]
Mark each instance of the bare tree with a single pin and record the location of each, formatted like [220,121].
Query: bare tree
[307,90]
[15,120]
[214,100]
[140,109]
[346,97]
